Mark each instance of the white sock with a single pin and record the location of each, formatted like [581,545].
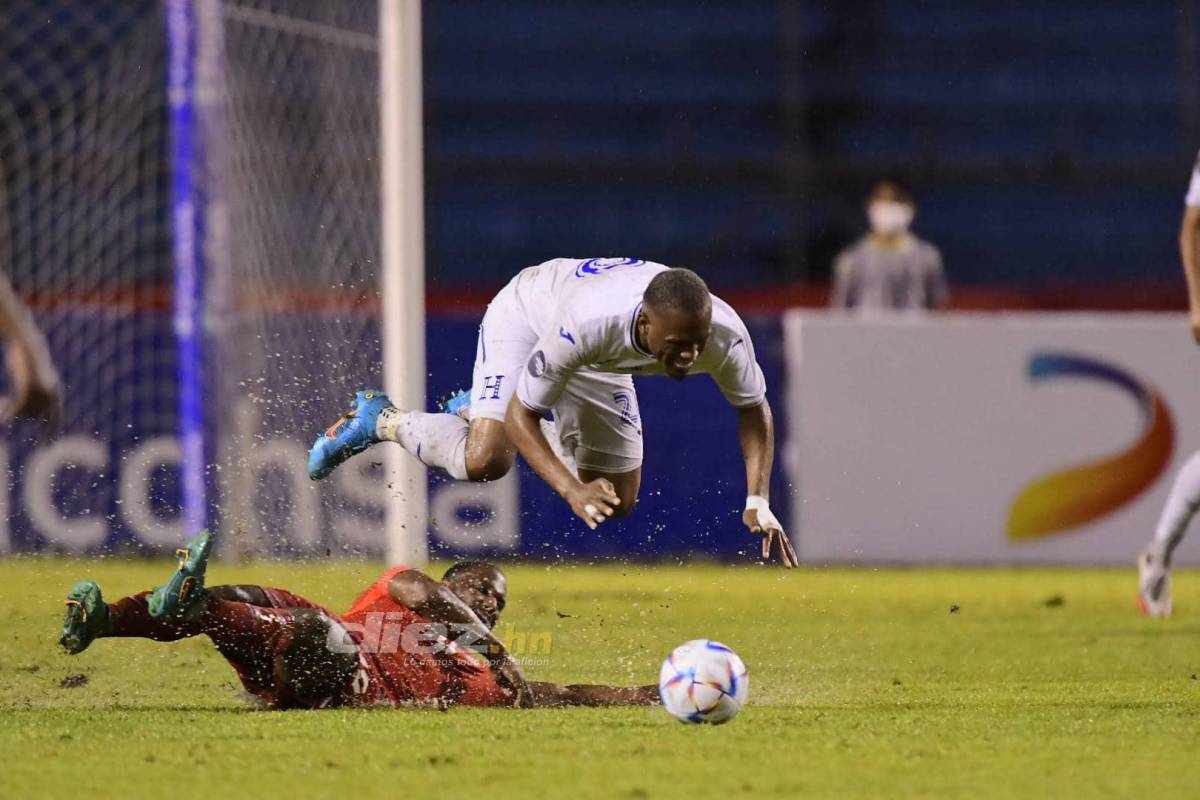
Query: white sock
[1182,504]
[438,440]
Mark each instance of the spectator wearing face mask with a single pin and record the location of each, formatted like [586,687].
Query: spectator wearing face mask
[889,268]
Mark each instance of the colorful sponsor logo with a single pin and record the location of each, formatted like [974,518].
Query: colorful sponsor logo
[1078,495]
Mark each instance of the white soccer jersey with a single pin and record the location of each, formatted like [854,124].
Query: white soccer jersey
[586,312]
[1193,193]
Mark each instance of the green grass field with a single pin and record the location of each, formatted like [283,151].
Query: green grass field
[864,683]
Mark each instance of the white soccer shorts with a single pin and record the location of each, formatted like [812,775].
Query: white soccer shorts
[597,415]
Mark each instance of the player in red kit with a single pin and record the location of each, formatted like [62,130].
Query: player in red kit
[408,640]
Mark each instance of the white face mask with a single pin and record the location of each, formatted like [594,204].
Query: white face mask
[889,217]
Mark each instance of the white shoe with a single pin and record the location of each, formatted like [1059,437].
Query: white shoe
[1154,585]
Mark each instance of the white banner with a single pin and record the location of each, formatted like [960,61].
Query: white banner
[1006,438]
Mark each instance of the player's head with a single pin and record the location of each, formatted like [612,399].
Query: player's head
[890,206]
[676,320]
[481,586]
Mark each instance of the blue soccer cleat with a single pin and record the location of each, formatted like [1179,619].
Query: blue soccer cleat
[86,617]
[458,403]
[350,435]
[182,597]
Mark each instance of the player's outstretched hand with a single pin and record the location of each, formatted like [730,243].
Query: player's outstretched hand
[593,502]
[760,520]
[512,683]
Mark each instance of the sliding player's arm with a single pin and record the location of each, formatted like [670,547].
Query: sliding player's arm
[435,602]
[553,695]
[1189,253]
[35,382]
[555,359]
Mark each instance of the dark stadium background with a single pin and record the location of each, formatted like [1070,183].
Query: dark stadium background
[1049,144]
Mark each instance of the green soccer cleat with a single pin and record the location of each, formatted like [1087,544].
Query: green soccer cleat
[183,597]
[86,617]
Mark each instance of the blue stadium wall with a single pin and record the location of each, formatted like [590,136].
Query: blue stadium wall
[1048,141]
[1050,145]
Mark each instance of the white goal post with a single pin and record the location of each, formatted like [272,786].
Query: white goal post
[403,246]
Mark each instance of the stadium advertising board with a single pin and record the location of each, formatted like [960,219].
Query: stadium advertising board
[1023,438]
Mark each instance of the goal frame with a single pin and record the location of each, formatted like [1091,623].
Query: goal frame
[194,52]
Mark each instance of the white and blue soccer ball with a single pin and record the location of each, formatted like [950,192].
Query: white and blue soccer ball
[703,681]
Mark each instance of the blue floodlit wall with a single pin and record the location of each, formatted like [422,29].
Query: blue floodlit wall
[1048,141]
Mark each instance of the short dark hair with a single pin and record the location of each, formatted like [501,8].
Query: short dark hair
[898,183]
[678,290]
[464,566]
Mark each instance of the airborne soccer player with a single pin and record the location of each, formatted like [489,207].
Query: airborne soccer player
[404,641]
[566,338]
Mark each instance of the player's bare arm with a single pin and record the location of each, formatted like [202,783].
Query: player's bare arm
[593,501]
[35,382]
[553,695]
[677,330]
[1189,253]
[437,602]
[756,433]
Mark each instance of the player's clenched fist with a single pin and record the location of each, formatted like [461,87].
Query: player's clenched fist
[512,682]
[759,518]
[593,502]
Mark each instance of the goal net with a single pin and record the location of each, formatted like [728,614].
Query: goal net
[190,203]
[85,241]
[288,108]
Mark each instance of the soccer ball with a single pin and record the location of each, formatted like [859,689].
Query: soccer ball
[703,681]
